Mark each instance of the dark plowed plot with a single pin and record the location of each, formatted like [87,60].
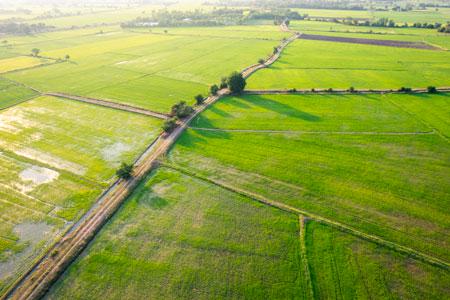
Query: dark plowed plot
[389,43]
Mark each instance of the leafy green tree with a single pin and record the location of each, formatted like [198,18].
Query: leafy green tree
[181,110]
[199,99]
[432,89]
[169,125]
[67,57]
[35,51]
[236,83]
[125,171]
[214,89]
[223,83]
[261,61]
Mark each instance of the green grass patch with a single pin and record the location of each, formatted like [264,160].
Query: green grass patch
[334,113]
[346,267]
[318,64]
[177,237]
[11,93]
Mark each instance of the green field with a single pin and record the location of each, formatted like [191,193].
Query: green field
[430,36]
[56,157]
[345,267]
[317,163]
[11,93]
[321,64]
[178,237]
[149,70]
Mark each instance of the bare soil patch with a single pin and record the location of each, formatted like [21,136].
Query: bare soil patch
[388,43]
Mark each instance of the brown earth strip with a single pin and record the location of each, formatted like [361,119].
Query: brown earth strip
[388,43]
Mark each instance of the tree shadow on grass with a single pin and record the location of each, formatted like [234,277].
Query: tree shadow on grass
[281,108]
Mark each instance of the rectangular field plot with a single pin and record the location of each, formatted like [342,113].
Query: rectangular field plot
[152,71]
[390,181]
[343,266]
[79,138]
[319,64]
[21,62]
[56,156]
[321,113]
[12,93]
[181,238]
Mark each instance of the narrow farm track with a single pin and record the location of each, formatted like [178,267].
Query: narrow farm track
[303,255]
[322,91]
[110,104]
[314,132]
[345,228]
[36,282]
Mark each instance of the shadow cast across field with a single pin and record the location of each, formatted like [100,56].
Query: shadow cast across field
[281,108]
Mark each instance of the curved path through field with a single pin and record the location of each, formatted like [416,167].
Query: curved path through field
[35,283]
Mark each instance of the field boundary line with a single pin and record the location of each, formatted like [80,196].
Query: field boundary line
[20,102]
[302,237]
[109,104]
[324,91]
[345,228]
[54,62]
[314,132]
[416,117]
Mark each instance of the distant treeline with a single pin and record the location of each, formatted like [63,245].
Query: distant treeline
[216,17]
[319,4]
[23,29]
[386,22]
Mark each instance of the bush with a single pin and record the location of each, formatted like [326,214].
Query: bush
[432,89]
[125,171]
[294,90]
[405,89]
[181,110]
[261,61]
[214,89]
[351,89]
[169,125]
[223,83]
[236,83]
[199,99]
[330,90]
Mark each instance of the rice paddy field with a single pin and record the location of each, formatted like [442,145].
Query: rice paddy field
[324,64]
[277,196]
[144,69]
[56,158]
[373,162]
[162,244]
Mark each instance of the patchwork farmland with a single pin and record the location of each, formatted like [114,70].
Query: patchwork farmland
[134,166]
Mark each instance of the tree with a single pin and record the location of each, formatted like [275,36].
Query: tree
[199,98]
[67,57]
[35,51]
[351,89]
[169,125]
[275,50]
[223,83]
[236,83]
[432,89]
[214,89]
[125,171]
[261,61]
[181,110]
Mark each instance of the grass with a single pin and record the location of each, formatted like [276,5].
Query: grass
[319,64]
[152,71]
[318,113]
[392,186]
[12,93]
[177,237]
[345,267]
[430,36]
[56,157]
[20,62]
